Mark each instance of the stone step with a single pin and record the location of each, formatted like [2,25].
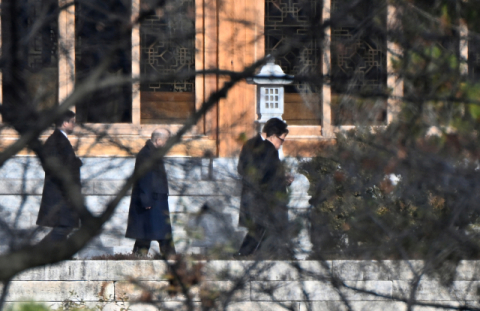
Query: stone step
[259,285]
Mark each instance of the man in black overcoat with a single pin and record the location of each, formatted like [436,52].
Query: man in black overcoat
[263,203]
[149,217]
[56,209]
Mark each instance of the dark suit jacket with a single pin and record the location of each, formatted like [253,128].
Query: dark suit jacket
[264,199]
[151,190]
[55,208]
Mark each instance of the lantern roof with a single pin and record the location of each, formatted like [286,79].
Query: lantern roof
[271,74]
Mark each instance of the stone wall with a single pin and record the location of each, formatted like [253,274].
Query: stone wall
[193,181]
[267,285]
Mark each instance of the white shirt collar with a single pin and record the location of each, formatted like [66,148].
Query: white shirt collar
[64,133]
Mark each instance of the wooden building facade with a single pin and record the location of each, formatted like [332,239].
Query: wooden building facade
[216,35]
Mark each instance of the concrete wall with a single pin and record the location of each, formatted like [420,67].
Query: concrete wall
[193,181]
[267,285]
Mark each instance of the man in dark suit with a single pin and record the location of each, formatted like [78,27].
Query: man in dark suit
[149,217]
[56,209]
[263,203]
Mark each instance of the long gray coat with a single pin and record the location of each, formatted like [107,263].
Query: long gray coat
[151,190]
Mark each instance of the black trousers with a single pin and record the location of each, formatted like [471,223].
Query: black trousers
[57,234]
[252,241]
[267,243]
[141,247]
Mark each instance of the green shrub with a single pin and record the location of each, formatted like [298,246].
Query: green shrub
[358,212]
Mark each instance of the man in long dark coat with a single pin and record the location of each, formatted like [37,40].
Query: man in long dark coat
[56,209]
[149,217]
[263,204]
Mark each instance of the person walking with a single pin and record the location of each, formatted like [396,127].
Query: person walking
[263,202]
[149,217]
[56,208]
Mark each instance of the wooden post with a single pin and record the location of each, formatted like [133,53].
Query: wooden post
[259,41]
[209,60]
[66,50]
[200,56]
[463,47]
[1,77]
[394,82]
[327,69]
[136,116]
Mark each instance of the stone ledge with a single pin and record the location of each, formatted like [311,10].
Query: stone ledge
[317,291]
[177,187]
[60,290]
[265,282]
[12,203]
[375,306]
[264,306]
[158,290]
[214,270]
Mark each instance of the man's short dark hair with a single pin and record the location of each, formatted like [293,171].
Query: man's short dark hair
[275,126]
[67,116]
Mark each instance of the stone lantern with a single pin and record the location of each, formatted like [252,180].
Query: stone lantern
[270,92]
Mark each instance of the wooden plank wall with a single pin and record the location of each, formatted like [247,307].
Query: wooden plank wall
[240,43]
[166,107]
[302,111]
